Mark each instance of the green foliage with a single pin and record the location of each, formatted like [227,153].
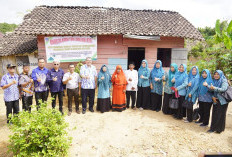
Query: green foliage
[216,51]
[207,32]
[39,133]
[78,67]
[5,27]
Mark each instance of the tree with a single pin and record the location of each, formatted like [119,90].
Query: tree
[5,27]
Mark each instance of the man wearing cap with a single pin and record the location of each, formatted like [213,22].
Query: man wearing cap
[26,87]
[131,88]
[39,76]
[54,79]
[88,74]
[9,84]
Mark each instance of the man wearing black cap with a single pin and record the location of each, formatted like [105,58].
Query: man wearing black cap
[26,87]
[9,84]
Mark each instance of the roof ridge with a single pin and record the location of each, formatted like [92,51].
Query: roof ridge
[109,8]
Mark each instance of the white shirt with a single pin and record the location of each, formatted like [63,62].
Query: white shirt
[73,83]
[134,76]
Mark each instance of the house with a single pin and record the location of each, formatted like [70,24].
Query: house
[111,35]
[17,49]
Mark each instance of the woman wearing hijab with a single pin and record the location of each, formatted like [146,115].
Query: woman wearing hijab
[204,98]
[156,86]
[219,85]
[181,82]
[192,91]
[167,88]
[143,94]
[104,86]
[119,89]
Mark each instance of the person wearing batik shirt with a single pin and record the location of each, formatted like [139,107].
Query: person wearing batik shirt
[26,87]
[88,74]
[9,84]
[39,76]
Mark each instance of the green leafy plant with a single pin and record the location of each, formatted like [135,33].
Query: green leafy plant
[39,133]
[78,67]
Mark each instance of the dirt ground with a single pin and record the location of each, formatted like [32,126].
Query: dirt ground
[134,134]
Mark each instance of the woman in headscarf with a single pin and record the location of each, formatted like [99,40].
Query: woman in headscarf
[181,82]
[156,86]
[143,94]
[104,87]
[167,88]
[119,89]
[219,85]
[204,97]
[192,91]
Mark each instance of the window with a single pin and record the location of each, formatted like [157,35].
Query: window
[164,54]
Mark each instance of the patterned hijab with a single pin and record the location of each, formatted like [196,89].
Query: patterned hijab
[143,70]
[157,72]
[218,83]
[194,79]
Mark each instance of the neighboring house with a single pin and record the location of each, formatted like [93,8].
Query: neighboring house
[17,49]
[123,35]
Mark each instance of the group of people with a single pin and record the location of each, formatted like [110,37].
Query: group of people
[144,88]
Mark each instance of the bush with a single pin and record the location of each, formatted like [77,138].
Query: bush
[39,133]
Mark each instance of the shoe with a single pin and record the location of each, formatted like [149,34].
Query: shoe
[78,112]
[140,108]
[218,132]
[91,110]
[69,113]
[157,110]
[210,131]
[203,125]
[186,121]
[197,122]
[134,108]
[83,111]
[185,118]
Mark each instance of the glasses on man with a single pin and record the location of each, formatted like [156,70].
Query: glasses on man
[56,64]
[11,67]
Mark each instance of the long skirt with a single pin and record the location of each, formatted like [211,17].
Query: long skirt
[143,97]
[103,104]
[156,101]
[165,108]
[119,98]
[218,122]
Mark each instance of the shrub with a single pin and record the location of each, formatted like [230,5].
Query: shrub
[39,133]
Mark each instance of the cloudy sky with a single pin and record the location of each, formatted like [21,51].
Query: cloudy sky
[200,13]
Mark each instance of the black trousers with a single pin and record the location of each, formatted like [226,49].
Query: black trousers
[218,122]
[73,93]
[156,101]
[27,102]
[130,95]
[143,97]
[87,93]
[189,114]
[41,95]
[60,97]
[11,105]
[181,111]
[204,109]
[165,108]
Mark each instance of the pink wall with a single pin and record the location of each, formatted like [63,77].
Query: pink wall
[115,46]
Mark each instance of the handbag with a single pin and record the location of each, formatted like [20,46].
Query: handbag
[187,104]
[173,103]
[228,94]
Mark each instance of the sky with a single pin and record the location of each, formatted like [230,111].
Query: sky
[200,13]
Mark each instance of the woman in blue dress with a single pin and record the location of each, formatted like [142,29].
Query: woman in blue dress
[143,94]
[104,87]
[192,91]
[181,82]
[220,105]
[156,85]
[168,76]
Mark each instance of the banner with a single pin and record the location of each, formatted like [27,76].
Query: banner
[70,48]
